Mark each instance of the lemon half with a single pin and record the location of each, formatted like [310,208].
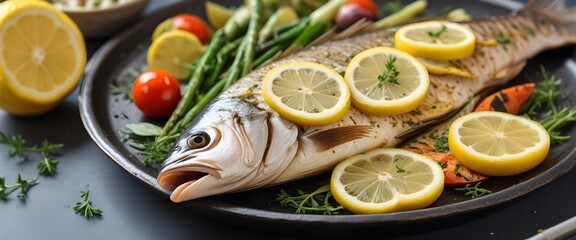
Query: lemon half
[42,56]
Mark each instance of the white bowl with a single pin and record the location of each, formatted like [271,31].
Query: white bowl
[104,21]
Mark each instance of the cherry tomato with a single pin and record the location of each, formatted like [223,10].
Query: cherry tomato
[353,11]
[156,93]
[366,4]
[193,24]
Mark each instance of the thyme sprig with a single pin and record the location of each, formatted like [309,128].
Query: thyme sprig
[391,73]
[440,31]
[23,185]
[474,191]
[315,202]
[555,122]
[17,144]
[85,207]
[544,95]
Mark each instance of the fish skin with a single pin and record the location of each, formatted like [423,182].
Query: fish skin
[251,146]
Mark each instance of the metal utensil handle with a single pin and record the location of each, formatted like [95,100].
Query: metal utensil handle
[562,230]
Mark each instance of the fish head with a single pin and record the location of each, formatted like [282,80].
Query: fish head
[222,146]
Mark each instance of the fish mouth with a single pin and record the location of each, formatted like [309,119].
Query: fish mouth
[175,178]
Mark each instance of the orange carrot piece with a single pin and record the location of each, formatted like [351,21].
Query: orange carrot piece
[508,100]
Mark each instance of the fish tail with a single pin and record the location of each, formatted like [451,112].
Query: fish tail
[556,11]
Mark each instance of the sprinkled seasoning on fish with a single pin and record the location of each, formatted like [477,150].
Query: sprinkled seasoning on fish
[238,143]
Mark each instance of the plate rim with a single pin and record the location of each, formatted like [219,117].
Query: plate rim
[209,206]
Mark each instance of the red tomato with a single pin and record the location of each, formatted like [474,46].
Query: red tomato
[193,24]
[366,4]
[156,93]
[353,11]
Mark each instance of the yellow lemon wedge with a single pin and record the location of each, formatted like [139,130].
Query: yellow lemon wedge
[445,67]
[498,144]
[217,14]
[386,81]
[42,57]
[306,93]
[386,180]
[439,40]
[174,52]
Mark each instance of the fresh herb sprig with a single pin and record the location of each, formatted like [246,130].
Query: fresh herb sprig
[555,122]
[47,166]
[85,207]
[440,31]
[474,191]
[315,202]
[441,144]
[23,185]
[391,73]
[544,95]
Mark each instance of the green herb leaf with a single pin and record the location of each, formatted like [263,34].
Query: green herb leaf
[315,202]
[437,34]
[502,39]
[441,144]
[3,189]
[144,129]
[474,191]
[84,207]
[391,73]
[47,166]
[399,169]
[544,95]
[23,185]
[16,145]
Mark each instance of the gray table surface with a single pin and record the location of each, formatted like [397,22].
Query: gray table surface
[132,211]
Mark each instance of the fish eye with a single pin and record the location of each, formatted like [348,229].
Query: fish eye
[198,140]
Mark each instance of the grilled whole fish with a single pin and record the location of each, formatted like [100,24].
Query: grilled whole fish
[238,143]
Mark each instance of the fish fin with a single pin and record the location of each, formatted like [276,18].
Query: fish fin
[504,75]
[555,10]
[431,124]
[333,137]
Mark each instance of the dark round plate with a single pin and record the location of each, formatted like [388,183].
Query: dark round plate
[105,115]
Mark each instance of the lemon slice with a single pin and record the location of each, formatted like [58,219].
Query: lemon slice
[42,57]
[440,40]
[217,14]
[498,144]
[306,93]
[445,67]
[386,180]
[174,52]
[386,81]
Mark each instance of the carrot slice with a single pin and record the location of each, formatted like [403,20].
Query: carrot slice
[508,100]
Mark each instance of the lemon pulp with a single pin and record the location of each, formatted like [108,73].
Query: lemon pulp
[439,40]
[174,52]
[386,180]
[306,93]
[42,57]
[374,89]
[498,144]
